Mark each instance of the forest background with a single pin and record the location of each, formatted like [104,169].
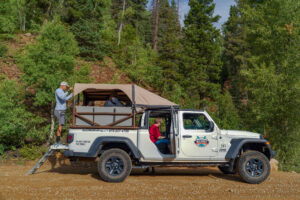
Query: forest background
[247,75]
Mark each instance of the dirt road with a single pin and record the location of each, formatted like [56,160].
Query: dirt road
[81,181]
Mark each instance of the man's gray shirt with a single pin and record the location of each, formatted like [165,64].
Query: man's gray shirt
[61,98]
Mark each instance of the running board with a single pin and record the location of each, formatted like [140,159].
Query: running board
[178,164]
[46,156]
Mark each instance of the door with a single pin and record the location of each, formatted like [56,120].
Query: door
[147,148]
[197,137]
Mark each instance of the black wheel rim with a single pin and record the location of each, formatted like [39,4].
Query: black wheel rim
[114,166]
[255,167]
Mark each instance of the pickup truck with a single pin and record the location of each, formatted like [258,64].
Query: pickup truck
[118,137]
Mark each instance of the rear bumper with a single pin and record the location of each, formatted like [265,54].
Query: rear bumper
[68,153]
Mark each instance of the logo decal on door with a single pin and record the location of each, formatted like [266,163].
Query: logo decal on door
[201,141]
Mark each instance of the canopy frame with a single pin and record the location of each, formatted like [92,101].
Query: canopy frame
[95,125]
[132,98]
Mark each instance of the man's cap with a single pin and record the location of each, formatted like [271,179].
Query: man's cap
[64,83]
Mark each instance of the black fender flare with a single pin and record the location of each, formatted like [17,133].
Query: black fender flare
[101,141]
[237,144]
[98,144]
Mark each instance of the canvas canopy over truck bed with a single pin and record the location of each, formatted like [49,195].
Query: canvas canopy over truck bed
[134,97]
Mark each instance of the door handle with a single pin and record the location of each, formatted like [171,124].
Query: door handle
[186,136]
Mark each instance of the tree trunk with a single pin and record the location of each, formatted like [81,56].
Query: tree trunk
[21,8]
[178,8]
[155,33]
[121,25]
[47,14]
[22,19]
[52,123]
[24,22]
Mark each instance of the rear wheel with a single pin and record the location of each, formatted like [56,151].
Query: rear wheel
[114,165]
[254,167]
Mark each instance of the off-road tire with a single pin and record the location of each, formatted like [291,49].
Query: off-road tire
[226,170]
[253,167]
[111,162]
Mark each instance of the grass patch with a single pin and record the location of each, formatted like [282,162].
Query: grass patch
[32,152]
[20,162]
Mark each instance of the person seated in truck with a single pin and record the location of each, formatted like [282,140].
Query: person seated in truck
[113,101]
[161,142]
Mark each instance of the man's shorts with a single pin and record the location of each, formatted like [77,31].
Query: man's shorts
[60,115]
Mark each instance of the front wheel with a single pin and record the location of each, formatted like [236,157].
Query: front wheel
[254,167]
[114,165]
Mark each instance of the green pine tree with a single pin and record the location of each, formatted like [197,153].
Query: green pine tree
[264,65]
[202,63]
[92,26]
[169,51]
[50,60]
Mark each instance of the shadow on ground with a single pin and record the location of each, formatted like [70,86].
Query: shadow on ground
[62,165]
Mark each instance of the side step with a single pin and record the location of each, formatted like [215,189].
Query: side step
[46,156]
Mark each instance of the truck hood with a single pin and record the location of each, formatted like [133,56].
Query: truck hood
[239,134]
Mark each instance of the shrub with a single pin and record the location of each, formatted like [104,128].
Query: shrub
[2,149]
[31,152]
[3,49]
[15,121]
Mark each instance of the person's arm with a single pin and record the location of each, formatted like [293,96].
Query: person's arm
[158,135]
[152,134]
[69,97]
[63,95]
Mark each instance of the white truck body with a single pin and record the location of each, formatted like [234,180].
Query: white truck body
[219,142]
[113,134]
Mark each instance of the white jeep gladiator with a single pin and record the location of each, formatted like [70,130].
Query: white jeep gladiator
[119,136]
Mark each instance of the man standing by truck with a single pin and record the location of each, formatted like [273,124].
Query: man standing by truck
[60,109]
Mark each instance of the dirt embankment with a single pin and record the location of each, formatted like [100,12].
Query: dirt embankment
[58,179]
[104,71]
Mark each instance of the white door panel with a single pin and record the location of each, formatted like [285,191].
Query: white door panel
[195,141]
[148,149]
[199,143]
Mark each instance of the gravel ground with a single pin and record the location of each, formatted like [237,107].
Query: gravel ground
[61,180]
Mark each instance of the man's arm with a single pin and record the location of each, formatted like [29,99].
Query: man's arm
[63,95]
[158,135]
[69,97]
[152,135]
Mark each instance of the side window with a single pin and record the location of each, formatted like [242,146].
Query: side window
[165,116]
[162,127]
[195,121]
